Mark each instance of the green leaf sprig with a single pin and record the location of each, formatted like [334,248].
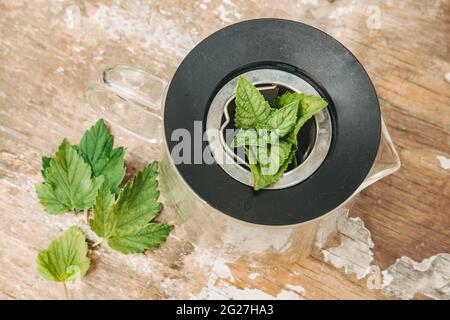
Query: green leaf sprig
[88,177]
[74,175]
[269,133]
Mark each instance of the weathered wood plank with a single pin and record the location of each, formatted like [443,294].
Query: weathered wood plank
[47,57]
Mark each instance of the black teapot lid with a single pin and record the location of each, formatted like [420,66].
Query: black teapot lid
[310,54]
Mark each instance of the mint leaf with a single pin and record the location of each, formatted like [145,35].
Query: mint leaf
[125,222]
[270,135]
[96,147]
[273,156]
[252,137]
[251,107]
[245,137]
[285,164]
[310,105]
[287,98]
[66,257]
[68,185]
[281,120]
[267,165]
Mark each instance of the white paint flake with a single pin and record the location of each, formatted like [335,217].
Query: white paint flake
[403,279]
[149,28]
[444,162]
[447,76]
[257,240]
[253,276]
[227,12]
[296,288]
[72,17]
[220,281]
[354,254]
[288,295]
[430,277]
[343,11]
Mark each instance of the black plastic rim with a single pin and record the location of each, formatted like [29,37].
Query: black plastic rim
[300,49]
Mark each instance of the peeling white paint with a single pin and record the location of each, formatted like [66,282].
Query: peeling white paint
[257,240]
[288,295]
[343,11]
[72,17]
[215,262]
[253,276]
[403,279]
[354,254]
[227,11]
[220,280]
[227,291]
[447,76]
[308,2]
[140,263]
[328,226]
[430,277]
[151,29]
[296,288]
[444,162]
[77,48]
[60,70]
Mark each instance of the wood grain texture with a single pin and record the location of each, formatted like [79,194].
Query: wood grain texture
[47,57]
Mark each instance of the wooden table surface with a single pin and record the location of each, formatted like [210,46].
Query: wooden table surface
[50,50]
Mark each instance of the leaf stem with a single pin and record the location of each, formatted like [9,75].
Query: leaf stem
[97,243]
[66,292]
[86,216]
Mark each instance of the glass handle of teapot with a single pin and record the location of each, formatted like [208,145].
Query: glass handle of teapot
[131,99]
[386,162]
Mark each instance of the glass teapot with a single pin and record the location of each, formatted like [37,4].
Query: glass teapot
[132,99]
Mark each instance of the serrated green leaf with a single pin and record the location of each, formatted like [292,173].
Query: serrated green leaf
[66,257]
[96,147]
[125,222]
[273,155]
[68,185]
[137,203]
[149,237]
[252,137]
[268,180]
[287,98]
[268,165]
[45,165]
[103,222]
[290,112]
[251,107]
[245,137]
[310,105]
[282,120]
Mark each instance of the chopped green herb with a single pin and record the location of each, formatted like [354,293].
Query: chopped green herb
[269,134]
